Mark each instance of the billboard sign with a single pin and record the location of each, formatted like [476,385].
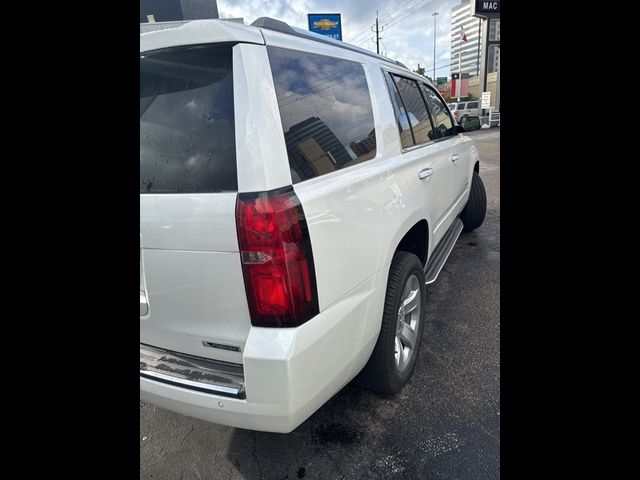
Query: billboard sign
[485,8]
[327,24]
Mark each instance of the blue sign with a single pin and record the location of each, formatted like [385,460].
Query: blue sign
[328,24]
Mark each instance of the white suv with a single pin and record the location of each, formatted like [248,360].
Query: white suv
[296,195]
[465,109]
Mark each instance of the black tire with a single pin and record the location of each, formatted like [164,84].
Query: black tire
[381,374]
[476,208]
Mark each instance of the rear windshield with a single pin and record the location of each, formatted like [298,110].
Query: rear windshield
[187,132]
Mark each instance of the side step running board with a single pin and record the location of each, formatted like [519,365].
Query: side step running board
[442,251]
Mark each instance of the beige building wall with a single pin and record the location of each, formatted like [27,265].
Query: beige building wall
[474,87]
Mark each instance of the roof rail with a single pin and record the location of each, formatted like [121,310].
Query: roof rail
[282,27]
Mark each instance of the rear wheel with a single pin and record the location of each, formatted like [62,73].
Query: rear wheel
[476,209]
[395,354]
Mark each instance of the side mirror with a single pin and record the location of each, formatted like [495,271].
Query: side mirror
[468,124]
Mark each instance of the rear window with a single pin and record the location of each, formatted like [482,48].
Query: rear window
[326,112]
[452,106]
[187,132]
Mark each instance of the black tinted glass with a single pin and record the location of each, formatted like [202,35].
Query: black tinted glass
[406,136]
[187,133]
[416,110]
[441,117]
[472,105]
[326,112]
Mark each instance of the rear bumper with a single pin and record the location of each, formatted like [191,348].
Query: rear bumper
[288,372]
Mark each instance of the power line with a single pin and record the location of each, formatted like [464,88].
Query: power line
[408,13]
[366,30]
[393,18]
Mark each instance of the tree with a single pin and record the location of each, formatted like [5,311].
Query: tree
[421,71]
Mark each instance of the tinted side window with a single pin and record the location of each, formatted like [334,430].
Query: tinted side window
[326,112]
[472,105]
[406,135]
[187,132]
[461,106]
[441,118]
[416,110]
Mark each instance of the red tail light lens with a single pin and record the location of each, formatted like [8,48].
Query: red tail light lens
[277,260]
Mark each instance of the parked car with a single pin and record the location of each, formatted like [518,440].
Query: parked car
[296,196]
[465,109]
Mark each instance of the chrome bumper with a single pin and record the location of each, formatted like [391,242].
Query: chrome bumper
[195,373]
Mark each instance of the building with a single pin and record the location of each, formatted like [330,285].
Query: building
[176,10]
[314,149]
[493,63]
[365,146]
[461,17]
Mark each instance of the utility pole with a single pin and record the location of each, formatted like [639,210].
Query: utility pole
[377,30]
[434,45]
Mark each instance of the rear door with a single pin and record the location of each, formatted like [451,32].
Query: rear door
[420,140]
[190,273]
[460,158]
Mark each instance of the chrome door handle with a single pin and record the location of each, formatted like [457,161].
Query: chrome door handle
[455,157]
[425,173]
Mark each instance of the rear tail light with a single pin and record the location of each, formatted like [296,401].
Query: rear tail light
[277,260]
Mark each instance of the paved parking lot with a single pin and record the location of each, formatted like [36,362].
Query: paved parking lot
[444,425]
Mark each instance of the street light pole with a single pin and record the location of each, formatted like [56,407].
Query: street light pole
[434,45]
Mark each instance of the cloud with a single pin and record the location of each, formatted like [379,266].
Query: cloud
[408,24]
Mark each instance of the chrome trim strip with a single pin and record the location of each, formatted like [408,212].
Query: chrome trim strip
[189,371]
[189,383]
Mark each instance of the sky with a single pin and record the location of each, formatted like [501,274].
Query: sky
[408,24]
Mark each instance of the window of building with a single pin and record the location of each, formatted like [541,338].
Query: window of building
[494,30]
[326,112]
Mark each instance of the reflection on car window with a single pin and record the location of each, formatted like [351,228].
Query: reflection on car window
[406,135]
[416,108]
[326,112]
[441,118]
[187,131]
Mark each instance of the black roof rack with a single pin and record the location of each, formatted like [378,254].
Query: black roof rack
[282,27]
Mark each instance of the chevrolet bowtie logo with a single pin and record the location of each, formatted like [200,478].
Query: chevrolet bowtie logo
[324,24]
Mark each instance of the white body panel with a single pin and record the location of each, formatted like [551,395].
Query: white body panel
[356,218]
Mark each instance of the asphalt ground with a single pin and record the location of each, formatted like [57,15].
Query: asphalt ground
[445,424]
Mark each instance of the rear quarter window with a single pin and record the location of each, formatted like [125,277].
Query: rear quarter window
[187,132]
[326,112]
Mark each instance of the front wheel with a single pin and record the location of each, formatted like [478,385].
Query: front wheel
[476,209]
[396,352]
